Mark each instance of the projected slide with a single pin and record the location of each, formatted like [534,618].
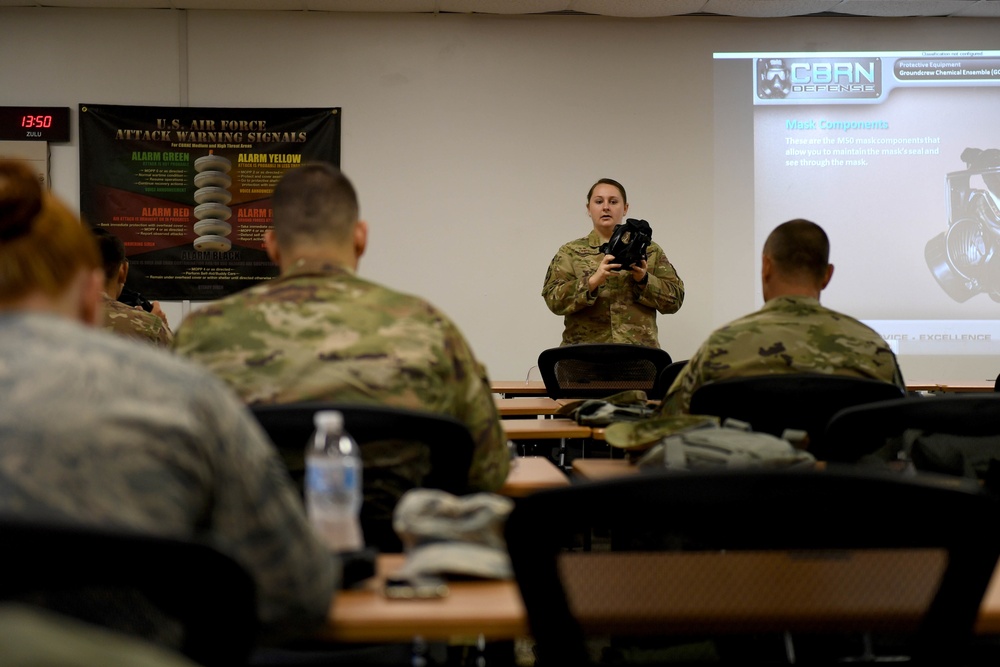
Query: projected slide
[897,156]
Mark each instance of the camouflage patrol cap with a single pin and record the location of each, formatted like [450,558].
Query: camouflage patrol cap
[629,397]
[629,405]
[644,434]
[445,534]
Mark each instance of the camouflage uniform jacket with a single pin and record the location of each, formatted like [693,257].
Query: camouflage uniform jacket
[790,334]
[106,431]
[320,332]
[125,320]
[621,310]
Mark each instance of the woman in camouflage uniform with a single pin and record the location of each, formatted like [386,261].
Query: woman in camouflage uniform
[601,301]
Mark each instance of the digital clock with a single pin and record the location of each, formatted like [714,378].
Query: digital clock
[34,123]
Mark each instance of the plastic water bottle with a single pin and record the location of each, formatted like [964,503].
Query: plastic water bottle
[333,483]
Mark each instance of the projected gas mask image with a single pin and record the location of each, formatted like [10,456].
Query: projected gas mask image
[774,79]
[964,259]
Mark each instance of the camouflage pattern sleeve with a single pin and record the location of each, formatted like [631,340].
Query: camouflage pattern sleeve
[677,400]
[619,311]
[790,334]
[329,335]
[566,289]
[478,410]
[664,290]
[126,320]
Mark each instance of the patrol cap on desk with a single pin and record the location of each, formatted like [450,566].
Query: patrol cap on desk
[444,534]
[641,435]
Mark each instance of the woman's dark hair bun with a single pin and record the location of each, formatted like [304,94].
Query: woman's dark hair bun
[20,199]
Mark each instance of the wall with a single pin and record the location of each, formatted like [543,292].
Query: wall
[472,140]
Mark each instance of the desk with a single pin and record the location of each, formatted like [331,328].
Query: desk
[597,469]
[520,407]
[543,429]
[988,622]
[495,610]
[952,388]
[513,388]
[491,608]
[530,474]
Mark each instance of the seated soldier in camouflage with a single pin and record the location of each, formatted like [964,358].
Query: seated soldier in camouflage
[600,300]
[121,318]
[321,332]
[792,332]
[101,431]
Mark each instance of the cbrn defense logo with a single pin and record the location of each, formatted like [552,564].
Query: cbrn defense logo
[796,79]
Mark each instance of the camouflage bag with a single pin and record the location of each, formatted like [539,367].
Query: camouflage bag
[689,442]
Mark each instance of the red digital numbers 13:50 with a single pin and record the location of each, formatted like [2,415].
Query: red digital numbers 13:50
[36,121]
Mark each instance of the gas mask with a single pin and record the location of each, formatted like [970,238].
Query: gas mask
[962,259]
[629,242]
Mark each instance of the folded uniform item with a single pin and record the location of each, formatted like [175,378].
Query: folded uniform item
[444,534]
[631,405]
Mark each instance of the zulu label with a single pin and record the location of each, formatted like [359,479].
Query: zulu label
[819,79]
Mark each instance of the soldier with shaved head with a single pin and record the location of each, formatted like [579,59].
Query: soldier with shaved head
[321,332]
[792,332]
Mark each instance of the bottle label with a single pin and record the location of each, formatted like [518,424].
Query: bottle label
[331,477]
[333,499]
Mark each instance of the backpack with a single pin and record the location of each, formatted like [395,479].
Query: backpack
[701,442]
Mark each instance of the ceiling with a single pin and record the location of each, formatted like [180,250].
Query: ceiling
[618,8]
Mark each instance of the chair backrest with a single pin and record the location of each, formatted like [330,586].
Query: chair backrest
[133,583]
[864,429]
[447,442]
[763,551]
[802,401]
[597,370]
[666,378]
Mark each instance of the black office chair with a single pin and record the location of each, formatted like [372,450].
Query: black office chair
[134,583]
[802,401]
[598,370]
[971,422]
[666,378]
[724,555]
[443,459]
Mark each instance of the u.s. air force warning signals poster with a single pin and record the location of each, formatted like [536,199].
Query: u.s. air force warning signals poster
[188,189]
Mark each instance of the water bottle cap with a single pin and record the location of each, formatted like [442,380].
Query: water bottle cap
[329,419]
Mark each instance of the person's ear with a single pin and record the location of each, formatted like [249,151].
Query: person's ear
[122,277]
[625,210]
[766,271]
[271,247]
[827,276]
[360,238]
[766,268]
